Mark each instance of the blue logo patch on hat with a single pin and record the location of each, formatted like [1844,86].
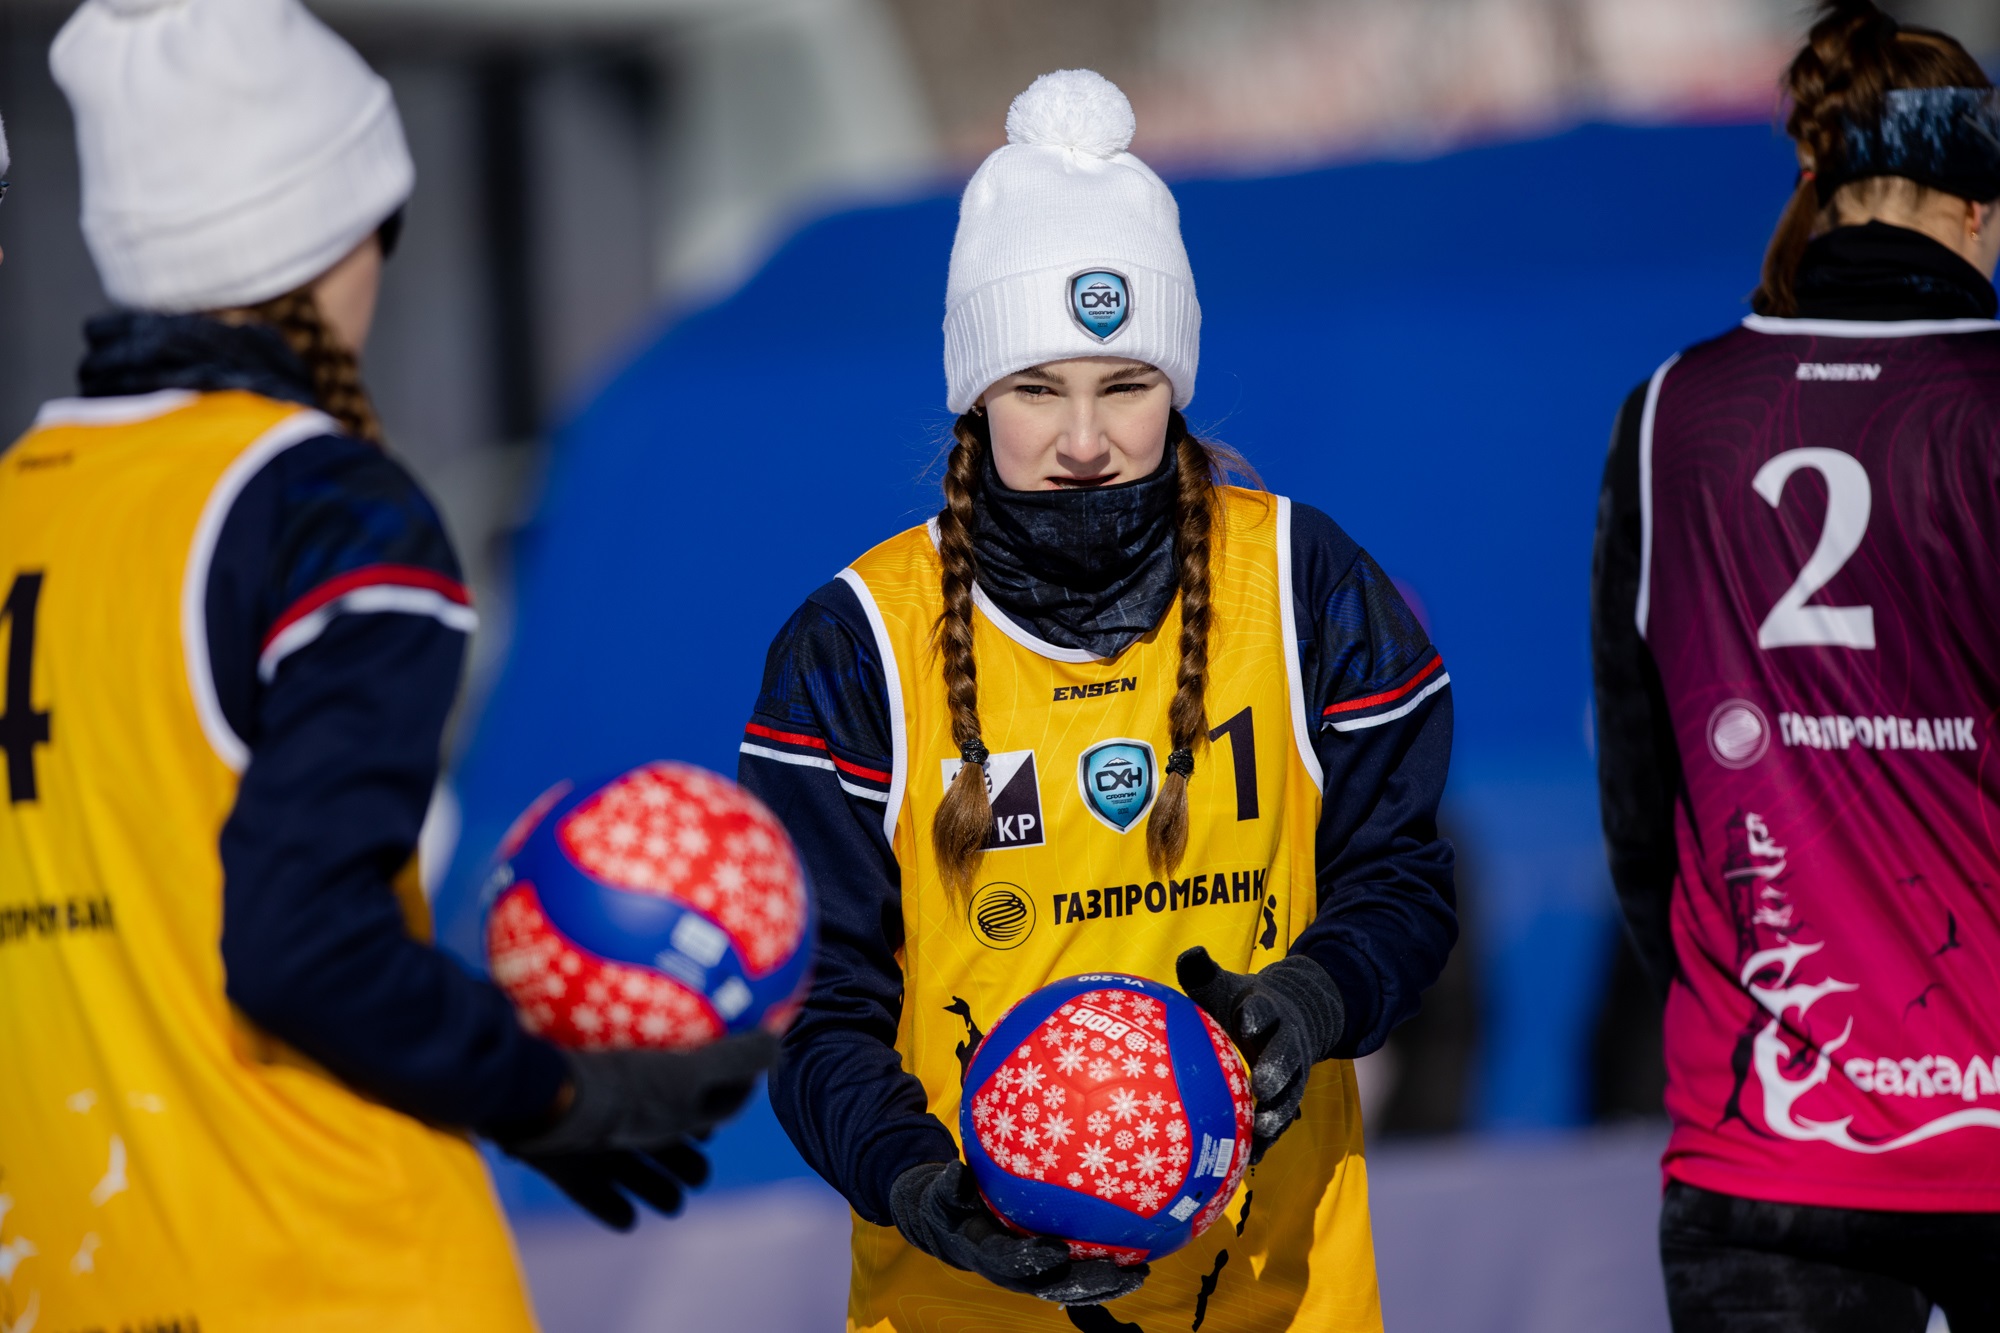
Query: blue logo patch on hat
[1116,778]
[1100,302]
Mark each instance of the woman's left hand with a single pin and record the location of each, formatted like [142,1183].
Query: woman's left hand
[938,1209]
[1285,1019]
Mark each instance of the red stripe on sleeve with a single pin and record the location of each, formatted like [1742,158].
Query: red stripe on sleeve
[368,576]
[815,743]
[1373,700]
[789,737]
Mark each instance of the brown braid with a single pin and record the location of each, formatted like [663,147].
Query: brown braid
[335,371]
[1187,716]
[1853,58]
[965,816]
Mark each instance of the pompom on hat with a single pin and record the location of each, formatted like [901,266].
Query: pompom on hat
[1067,246]
[231,150]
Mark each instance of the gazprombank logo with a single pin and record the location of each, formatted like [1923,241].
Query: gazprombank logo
[1738,733]
[1100,302]
[1001,915]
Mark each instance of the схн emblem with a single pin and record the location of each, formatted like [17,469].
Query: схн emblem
[1100,302]
[1118,779]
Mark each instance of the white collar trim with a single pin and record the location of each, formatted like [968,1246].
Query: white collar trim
[119,411]
[1007,626]
[1020,635]
[1865,328]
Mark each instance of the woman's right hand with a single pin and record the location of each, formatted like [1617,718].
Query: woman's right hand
[621,1126]
[938,1210]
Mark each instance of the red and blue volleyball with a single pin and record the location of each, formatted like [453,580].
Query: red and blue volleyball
[665,908]
[1110,1112]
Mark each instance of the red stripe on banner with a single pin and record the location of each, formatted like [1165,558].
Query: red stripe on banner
[815,743]
[368,576]
[1391,696]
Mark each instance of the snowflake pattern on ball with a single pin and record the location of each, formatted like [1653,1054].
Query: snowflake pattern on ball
[1239,1094]
[1093,1119]
[677,831]
[583,1002]
[1117,1254]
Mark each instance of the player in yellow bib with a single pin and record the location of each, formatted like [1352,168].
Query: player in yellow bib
[237,1086]
[1103,713]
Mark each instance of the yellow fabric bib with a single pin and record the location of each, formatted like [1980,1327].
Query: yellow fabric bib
[1064,889]
[162,1163]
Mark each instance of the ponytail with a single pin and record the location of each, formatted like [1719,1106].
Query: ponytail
[1777,294]
[1853,58]
[332,365]
[965,817]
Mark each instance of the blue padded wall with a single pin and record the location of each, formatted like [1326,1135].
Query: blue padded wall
[1433,352]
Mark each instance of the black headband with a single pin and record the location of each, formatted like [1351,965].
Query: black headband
[1944,138]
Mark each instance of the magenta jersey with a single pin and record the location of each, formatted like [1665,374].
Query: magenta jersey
[1820,590]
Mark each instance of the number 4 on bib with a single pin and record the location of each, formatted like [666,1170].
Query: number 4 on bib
[21,727]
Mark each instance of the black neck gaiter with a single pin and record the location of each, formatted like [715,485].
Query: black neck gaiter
[1877,271]
[132,351]
[1089,569]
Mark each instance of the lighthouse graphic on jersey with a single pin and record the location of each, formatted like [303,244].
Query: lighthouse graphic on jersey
[1796,1037]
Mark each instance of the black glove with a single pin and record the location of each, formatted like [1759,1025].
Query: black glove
[629,1118]
[938,1210]
[1286,1019]
[598,1182]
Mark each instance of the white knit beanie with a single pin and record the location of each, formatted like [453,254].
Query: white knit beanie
[1067,246]
[5,161]
[232,150]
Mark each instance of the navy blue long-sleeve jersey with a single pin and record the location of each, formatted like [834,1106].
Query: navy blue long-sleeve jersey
[1387,909]
[336,622]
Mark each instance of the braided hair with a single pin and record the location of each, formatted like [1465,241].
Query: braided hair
[332,364]
[1853,58]
[965,817]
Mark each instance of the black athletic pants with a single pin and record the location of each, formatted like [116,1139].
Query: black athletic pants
[1746,1266]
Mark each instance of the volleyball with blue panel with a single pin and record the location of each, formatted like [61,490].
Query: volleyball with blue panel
[1110,1112]
[664,909]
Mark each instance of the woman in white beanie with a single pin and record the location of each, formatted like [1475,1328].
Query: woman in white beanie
[968,730]
[239,1084]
